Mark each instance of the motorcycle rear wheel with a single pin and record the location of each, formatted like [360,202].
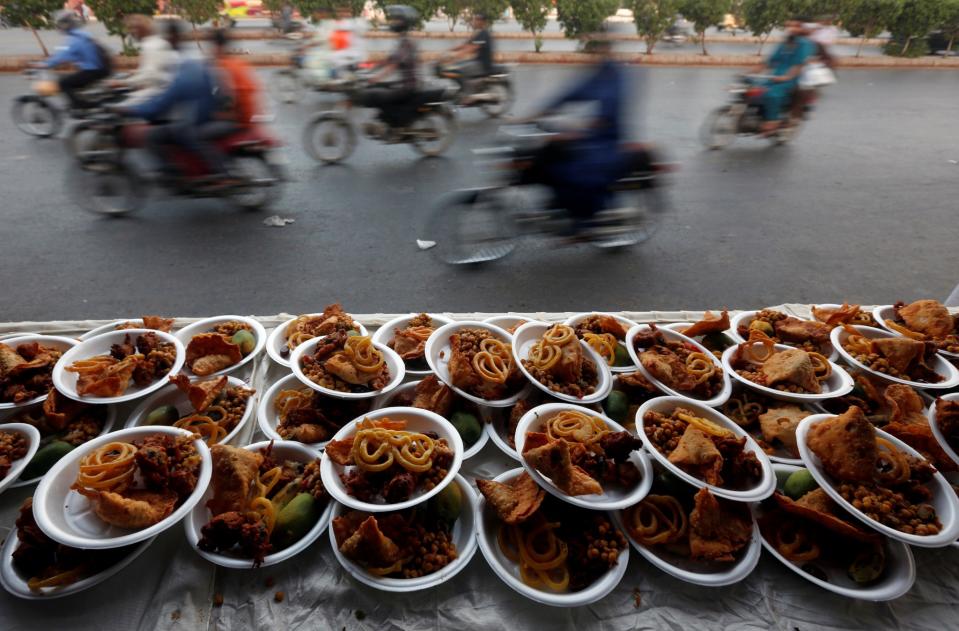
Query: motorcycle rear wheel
[35,116]
[632,217]
[502,101]
[433,132]
[472,227]
[261,182]
[719,129]
[329,138]
[105,188]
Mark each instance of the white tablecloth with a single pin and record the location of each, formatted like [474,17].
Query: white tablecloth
[172,587]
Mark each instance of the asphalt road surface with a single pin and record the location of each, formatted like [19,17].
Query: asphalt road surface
[861,207]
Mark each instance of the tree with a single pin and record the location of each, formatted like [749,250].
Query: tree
[198,12]
[492,9]
[426,8]
[453,10]
[703,14]
[652,19]
[31,14]
[579,18]
[950,21]
[915,20]
[868,18]
[111,13]
[762,16]
[532,15]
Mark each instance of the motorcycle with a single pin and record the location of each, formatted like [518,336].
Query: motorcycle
[330,136]
[743,116]
[289,83]
[112,182]
[40,114]
[492,93]
[479,225]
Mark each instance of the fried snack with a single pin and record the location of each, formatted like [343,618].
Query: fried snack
[514,501]
[482,364]
[306,327]
[134,509]
[817,506]
[201,394]
[807,335]
[778,426]
[697,454]
[908,423]
[657,520]
[846,446]
[845,314]
[309,417]
[432,394]
[791,366]
[346,364]
[557,361]
[13,446]
[718,529]
[209,352]
[369,545]
[234,473]
[678,365]
[156,323]
[947,417]
[540,554]
[928,317]
[711,323]
[104,376]
[25,371]
[410,342]
[553,461]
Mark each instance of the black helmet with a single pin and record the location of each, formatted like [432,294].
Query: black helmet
[401,17]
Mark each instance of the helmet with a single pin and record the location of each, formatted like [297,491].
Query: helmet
[401,17]
[66,20]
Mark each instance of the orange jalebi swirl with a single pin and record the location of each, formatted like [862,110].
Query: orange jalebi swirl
[378,449]
[741,410]
[494,361]
[287,401]
[362,354]
[209,430]
[700,366]
[704,425]
[110,467]
[657,520]
[892,464]
[793,544]
[576,427]
[901,330]
[544,356]
[758,354]
[540,554]
[856,343]
[604,344]
[260,503]
[820,366]
[559,335]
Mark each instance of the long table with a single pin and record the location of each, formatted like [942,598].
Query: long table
[171,587]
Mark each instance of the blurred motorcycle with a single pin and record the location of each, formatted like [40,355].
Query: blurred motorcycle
[485,224]
[41,114]
[743,116]
[112,182]
[492,93]
[330,136]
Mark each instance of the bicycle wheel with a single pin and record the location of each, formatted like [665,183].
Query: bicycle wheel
[472,227]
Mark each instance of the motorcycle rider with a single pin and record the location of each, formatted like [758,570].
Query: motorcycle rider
[157,60]
[394,103]
[90,58]
[475,57]
[785,64]
[580,166]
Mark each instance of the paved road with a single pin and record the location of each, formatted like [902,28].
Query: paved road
[861,207]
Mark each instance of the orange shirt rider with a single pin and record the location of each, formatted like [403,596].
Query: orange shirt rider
[242,87]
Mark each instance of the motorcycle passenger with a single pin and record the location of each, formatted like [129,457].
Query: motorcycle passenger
[178,114]
[581,166]
[157,60]
[91,60]
[475,57]
[785,64]
[337,44]
[395,103]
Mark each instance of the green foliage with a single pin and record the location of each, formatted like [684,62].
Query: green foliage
[492,9]
[868,18]
[950,21]
[653,18]
[32,14]
[532,14]
[274,6]
[579,18]
[426,8]
[915,20]
[198,11]
[762,16]
[703,14]
[111,13]
[916,47]
[453,10]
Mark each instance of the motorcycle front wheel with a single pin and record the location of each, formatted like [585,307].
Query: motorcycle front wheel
[105,188]
[719,129]
[36,116]
[260,185]
[472,227]
[433,132]
[632,217]
[501,98]
[329,138]
[89,144]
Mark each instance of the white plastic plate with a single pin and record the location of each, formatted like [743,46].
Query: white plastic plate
[416,421]
[530,333]
[611,498]
[625,322]
[200,515]
[675,336]
[507,322]
[665,406]
[744,318]
[32,434]
[66,382]
[940,365]
[886,312]
[62,344]
[393,363]
[944,498]
[206,326]
[385,334]
[464,536]
[838,384]
[937,432]
[488,525]
[900,574]
[171,395]
[68,518]
[276,343]
[438,357]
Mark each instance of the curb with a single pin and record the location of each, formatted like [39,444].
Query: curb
[17,63]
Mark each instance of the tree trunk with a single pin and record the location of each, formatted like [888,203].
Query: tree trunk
[905,47]
[46,53]
[650,45]
[861,42]
[452,22]
[195,38]
[952,40]
[762,42]
[702,38]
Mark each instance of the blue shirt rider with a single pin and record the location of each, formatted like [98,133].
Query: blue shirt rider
[81,51]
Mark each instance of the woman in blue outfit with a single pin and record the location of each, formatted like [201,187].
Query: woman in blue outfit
[785,64]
